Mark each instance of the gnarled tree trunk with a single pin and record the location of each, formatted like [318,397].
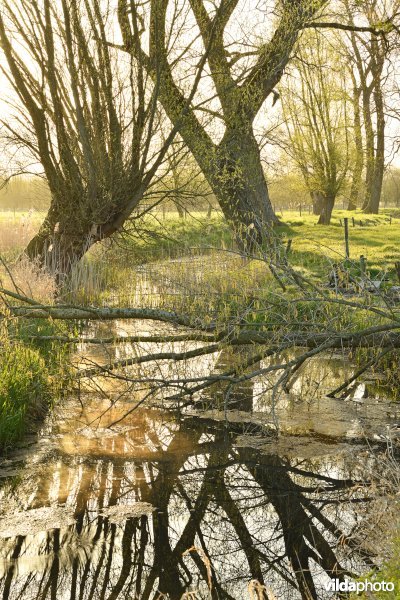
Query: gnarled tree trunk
[238,182]
[59,247]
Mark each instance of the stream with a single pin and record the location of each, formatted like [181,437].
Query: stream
[206,503]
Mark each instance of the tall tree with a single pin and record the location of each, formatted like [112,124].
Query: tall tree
[241,78]
[85,113]
[315,106]
[371,94]
[367,53]
[358,161]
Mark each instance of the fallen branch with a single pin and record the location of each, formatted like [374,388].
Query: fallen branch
[374,361]
[137,360]
[127,339]
[106,314]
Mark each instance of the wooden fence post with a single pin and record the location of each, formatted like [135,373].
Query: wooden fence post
[397,267]
[363,264]
[346,236]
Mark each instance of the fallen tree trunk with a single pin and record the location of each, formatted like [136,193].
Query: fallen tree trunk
[274,340]
[381,335]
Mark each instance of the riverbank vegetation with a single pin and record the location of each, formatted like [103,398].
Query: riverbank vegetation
[159,236]
[193,269]
[33,372]
[388,573]
[32,376]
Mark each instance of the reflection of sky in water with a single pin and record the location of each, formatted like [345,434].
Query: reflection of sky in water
[252,506]
[237,505]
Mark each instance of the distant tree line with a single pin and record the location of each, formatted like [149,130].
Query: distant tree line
[188,192]
[25,193]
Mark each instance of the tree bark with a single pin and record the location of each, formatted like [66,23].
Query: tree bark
[66,235]
[369,147]
[179,209]
[238,182]
[317,202]
[359,153]
[326,212]
[375,155]
[379,160]
[58,249]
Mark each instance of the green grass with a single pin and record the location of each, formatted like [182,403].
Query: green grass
[24,390]
[108,272]
[315,247]
[32,375]
[155,238]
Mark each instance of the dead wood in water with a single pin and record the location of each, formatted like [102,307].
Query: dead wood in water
[285,346]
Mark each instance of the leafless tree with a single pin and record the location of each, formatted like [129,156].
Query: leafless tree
[230,158]
[87,114]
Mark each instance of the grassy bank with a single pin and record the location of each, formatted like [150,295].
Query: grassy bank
[314,250]
[24,390]
[32,373]
[314,247]
[31,377]
[154,238]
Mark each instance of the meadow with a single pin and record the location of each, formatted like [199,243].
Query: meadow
[158,236]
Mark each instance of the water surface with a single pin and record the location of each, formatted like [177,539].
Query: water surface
[208,501]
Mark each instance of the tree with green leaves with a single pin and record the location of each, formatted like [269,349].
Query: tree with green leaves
[316,113]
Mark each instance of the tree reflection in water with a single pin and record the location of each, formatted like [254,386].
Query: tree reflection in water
[226,512]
